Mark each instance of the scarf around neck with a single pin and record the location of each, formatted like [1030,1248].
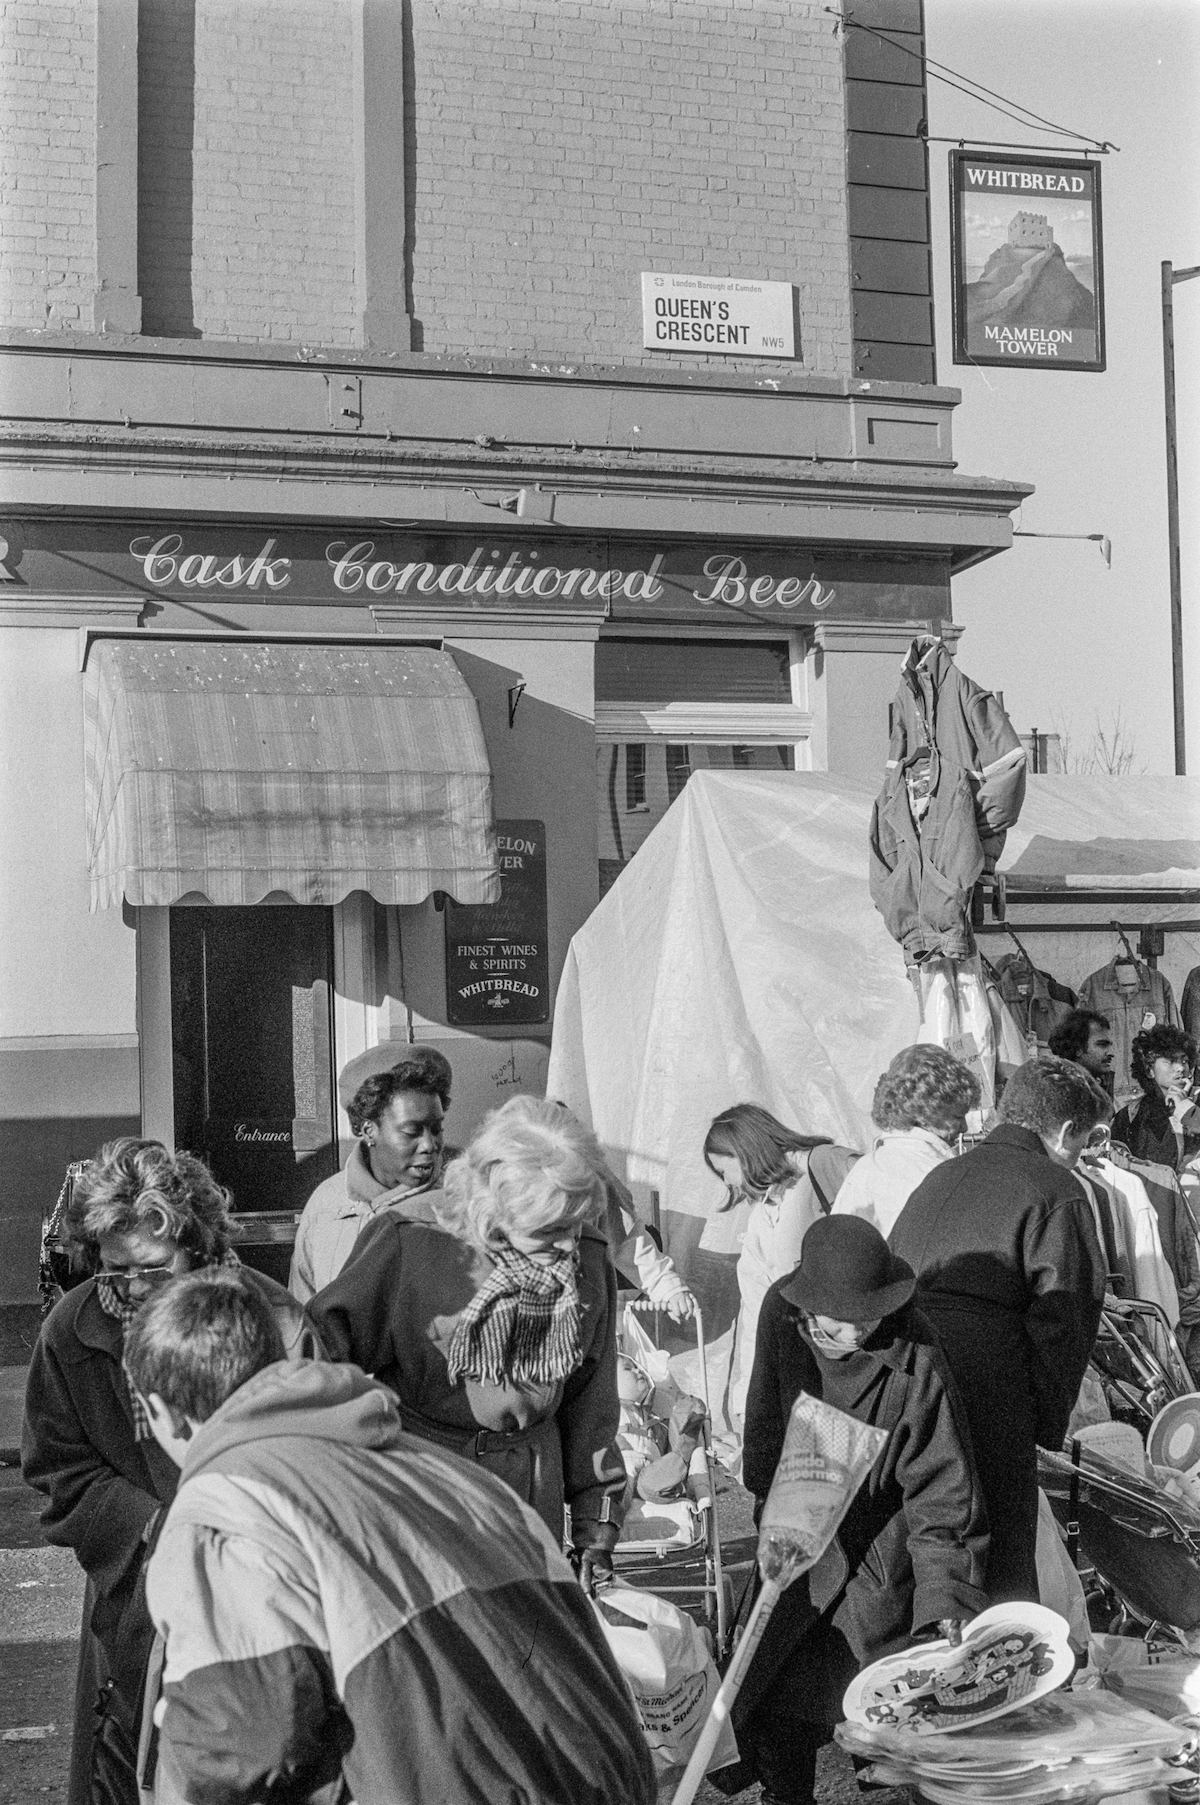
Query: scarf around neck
[522,1325]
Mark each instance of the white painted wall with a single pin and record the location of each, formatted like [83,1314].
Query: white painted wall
[63,970]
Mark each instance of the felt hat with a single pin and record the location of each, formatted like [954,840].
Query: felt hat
[382,1058]
[847,1271]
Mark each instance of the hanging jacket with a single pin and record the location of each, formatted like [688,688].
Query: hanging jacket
[1037,1002]
[1128,1012]
[1189,1007]
[954,785]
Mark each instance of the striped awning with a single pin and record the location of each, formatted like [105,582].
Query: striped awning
[236,771]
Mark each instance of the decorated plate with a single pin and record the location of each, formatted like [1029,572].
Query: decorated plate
[1010,1655]
[1174,1438]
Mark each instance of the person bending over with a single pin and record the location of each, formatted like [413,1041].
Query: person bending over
[909,1557]
[349,1612]
[142,1215]
[784,1181]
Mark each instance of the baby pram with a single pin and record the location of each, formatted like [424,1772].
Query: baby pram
[1141,1543]
[675,1548]
[1137,1361]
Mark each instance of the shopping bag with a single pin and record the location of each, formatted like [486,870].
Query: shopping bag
[669,1670]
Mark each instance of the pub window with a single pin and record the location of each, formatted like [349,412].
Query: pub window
[679,769]
[635,778]
[666,708]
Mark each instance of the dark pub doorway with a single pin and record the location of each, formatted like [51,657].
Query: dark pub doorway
[252,1053]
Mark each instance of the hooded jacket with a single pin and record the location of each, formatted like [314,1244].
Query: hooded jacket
[104,1487]
[953,740]
[339,1599]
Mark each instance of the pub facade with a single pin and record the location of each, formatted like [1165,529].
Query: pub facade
[339,680]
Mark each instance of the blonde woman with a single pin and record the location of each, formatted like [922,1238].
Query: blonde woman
[496,1326]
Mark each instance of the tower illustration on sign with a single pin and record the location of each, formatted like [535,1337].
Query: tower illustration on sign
[1027,282]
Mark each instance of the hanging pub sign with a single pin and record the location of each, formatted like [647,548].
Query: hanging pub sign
[1027,268]
[498,954]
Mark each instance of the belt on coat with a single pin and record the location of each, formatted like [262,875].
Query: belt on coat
[473,1443]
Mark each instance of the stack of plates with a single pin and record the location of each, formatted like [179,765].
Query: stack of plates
[1009,1656]
[1067,1747]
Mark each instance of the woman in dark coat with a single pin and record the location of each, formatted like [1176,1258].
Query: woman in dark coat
[497,1330]
[910,1555]
[139,1216]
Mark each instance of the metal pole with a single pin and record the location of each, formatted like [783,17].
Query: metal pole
[1176,574]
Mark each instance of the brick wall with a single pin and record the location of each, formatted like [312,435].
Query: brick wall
[246,170]
[562,149]
[47,155]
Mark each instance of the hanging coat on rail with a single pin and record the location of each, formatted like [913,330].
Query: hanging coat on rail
[954,786]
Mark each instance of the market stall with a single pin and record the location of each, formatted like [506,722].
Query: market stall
[739,957]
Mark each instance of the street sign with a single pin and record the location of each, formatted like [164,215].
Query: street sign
[732,316]
[498,954]
[1028,280]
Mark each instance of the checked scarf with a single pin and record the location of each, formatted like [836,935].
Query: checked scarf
[123,1310]
[522,1325]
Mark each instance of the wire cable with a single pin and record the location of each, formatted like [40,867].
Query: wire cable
[998,103]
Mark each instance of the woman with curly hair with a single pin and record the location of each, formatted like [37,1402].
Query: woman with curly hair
[920,1108]
[496,1325]
[139,1216]
[785,1181]
[1163,1125]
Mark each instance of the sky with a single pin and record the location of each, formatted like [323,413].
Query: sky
[1069,642]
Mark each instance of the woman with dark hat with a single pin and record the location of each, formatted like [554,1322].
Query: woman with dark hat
[909,1558]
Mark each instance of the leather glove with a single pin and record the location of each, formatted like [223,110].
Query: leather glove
[593,1567]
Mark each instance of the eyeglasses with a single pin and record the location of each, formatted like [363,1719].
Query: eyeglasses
[123,1276]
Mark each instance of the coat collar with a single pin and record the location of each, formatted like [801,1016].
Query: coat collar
[93,1330]
[1007,1134]
[894,1356]
[1109,980]
[362,1186]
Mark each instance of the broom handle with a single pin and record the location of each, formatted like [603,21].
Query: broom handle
[729,1688]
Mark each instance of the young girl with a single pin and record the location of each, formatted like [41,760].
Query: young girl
[789,1181]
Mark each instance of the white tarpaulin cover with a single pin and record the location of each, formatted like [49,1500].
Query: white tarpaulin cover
[1108,833]
[739,957]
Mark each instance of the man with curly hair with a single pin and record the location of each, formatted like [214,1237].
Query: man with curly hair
[140,1216]
[920,1109]
[1163,1124]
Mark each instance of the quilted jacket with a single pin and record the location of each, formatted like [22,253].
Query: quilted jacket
[954,786]
[344,1605]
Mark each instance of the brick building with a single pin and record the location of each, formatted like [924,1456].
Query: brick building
[322,332]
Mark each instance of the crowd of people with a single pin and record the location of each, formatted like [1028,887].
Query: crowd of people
[339,1539]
